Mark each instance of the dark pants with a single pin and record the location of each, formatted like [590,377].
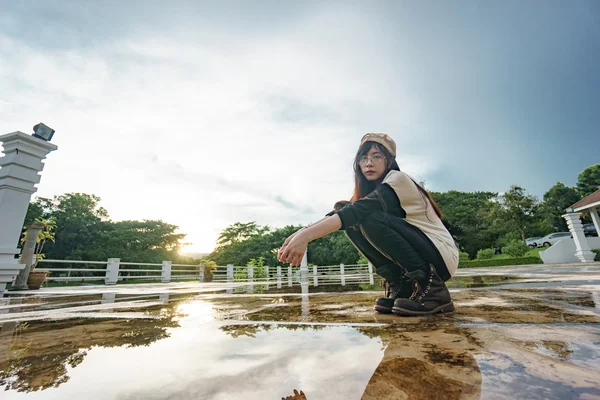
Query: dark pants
[385,239]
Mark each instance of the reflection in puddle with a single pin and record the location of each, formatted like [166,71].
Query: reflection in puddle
[199,359]
[499,343]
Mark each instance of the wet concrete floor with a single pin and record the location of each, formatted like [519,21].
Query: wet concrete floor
[517,332]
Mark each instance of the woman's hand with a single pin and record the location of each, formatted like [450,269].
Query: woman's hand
[293,249]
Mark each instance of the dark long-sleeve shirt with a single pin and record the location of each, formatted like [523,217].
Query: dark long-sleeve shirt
[383,198]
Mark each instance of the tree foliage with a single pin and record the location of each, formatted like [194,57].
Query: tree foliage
[85,232]
[589,180]
[556,200]
[476,220]
[520,208]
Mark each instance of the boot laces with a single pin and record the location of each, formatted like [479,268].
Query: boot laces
[424,292]
[418,293]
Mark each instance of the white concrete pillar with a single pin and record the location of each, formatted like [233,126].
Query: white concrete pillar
[305,308]
[279,277]
[201,273]
[165,275]
[112,271]
[108,298]
[371,278]
[19,173]
[343,279]
[250,286]
[290,276]
[315,276]
[596,219]
[304,268]
[163,298]
[583,251]
[267,277]
[229,272]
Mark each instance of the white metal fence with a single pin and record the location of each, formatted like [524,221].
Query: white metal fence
[113,271]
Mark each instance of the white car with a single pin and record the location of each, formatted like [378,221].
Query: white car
[532,241]
[552,238]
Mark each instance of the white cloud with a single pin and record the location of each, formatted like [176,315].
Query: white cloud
[203,127]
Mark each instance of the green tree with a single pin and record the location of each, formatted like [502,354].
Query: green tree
[40,208]
[470,218]
[556,200]
[589,180]
[78,217]
[332,249]
[265,242]
[520,209]
[149,241]
[239,232]
[84,232]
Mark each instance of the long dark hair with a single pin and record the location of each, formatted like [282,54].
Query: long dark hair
[363,187]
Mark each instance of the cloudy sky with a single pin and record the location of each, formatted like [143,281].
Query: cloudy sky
[207,113]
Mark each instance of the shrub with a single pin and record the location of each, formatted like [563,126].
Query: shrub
[499,262]
[258,270]
[597,251]
[462,256]
[485,254]
[362,260]
[515,249]
[210,267]
[509,237]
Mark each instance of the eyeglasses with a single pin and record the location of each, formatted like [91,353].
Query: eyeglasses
[376,159]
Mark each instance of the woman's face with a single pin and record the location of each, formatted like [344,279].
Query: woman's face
[373,164]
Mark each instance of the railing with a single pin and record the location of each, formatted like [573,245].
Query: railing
[114,271]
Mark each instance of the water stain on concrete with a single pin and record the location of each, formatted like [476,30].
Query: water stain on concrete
[502,341]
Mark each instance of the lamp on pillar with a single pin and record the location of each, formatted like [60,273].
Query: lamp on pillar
[19,173]
[43,132]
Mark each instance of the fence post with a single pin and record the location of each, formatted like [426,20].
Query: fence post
[250,278]
[229,272]
[279,277]
[305,308]
[267,277]
[371,280]
[290,276]
[304,267]
[112,271]
[315,277]
[165,276]
[108,297]
[201,272]
[342,274]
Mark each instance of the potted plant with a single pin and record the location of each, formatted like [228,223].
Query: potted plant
[46,232]
[209,268]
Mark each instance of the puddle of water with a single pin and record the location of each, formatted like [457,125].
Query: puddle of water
[499,343]
[187,353]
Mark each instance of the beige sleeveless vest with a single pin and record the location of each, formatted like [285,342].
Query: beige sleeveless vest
[420,213]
